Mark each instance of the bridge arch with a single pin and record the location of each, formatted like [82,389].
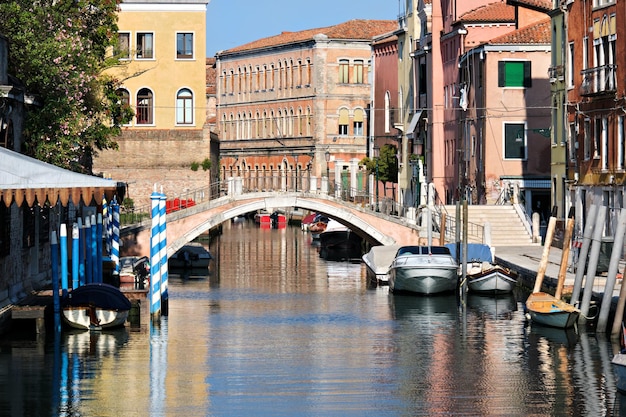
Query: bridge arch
[185,225]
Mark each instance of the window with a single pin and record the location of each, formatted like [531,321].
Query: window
[358,122]
[587,140]
[343,71]
[387,112]
[343,121]
[514,141]
[124,100]
[184,107]
[514,74]
[572,141]
[605,143]
[145,46]
[122,49]
[358,72]
[597,137]
[144,107]
[184,45]
[585,52]
[620,142]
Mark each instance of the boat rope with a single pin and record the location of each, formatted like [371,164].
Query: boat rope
[595,314]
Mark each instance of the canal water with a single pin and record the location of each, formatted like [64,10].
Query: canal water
[274,330]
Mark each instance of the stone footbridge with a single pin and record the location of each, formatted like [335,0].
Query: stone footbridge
[185,225]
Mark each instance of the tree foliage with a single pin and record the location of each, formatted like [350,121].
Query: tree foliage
[387,164]
[58,50]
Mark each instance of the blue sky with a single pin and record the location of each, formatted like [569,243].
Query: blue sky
[232,23]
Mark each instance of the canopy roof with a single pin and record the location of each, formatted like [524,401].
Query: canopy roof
[27,179]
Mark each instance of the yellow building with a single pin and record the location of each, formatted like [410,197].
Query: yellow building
[162,49]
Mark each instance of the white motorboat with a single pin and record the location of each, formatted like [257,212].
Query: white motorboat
[483,274]
[423,270]
[378,261]
[191,256]
[95,306]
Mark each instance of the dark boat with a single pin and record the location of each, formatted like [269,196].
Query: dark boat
[339,243]
[95,306]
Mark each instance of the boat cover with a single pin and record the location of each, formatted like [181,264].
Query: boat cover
[101,295]
[475,252]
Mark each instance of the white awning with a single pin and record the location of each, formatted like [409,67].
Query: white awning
[413,125]
[25,179]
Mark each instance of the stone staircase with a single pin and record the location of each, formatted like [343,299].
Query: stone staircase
[507,228]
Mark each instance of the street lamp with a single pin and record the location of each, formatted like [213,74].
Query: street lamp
[327,157]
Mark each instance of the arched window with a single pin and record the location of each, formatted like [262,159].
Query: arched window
[184,107]
[145,107]
[308,72]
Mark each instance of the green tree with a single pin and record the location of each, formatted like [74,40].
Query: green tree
[387,165]
[58,50]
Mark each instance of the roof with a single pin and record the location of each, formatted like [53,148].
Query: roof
[357,29]
[537,33]
[493,12]
[23,178]
[538,5]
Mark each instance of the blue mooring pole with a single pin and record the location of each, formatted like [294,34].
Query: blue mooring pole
[75,256]
[64,262]
[163,252]
[155,262]
[54,258]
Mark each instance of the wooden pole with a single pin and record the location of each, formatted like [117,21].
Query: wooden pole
[593,264]
[543,265]
[619,311]
[567,240]
[582,253]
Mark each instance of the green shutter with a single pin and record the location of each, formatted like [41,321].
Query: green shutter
[501,74]
[514,74]
[528,80]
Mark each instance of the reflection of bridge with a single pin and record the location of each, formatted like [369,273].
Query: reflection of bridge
[186,224]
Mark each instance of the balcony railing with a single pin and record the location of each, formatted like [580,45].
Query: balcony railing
[556,73]
[599,80]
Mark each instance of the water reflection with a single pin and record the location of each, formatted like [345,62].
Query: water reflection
[275,330]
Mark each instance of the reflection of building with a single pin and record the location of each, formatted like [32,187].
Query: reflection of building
[286,100]
[505,117]
[163,75]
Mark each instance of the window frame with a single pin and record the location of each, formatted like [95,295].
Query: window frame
[507,152]
[123,53]
[344,71]
[186,105]
[143,55]
[184,55]
[146,110]
[526,81]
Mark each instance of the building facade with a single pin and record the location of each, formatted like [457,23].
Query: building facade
[595,74]
[162,69]
[295,105]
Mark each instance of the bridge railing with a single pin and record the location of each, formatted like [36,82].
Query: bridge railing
[361,196]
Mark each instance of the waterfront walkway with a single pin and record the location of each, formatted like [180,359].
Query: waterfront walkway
[525,260]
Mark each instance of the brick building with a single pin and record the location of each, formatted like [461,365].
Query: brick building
[289,102]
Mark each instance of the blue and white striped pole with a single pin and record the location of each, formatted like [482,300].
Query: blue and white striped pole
[81,252]
[155,262]
[99,257]
[163,252]
[94,250]
[64,268]
[75,253]
[106,224]
[115,234]
[88,260]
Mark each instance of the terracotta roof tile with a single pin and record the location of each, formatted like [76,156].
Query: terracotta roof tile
[539,5]
[353,29]
[537,33]
[493,12]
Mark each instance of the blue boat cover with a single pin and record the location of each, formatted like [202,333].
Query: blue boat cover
[101,295]
[475,252]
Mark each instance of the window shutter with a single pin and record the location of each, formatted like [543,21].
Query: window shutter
[501,74]
[528,80]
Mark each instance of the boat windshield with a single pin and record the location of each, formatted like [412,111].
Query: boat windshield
[423,250]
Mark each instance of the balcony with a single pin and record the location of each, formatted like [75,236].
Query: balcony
[599,80]
[556,73]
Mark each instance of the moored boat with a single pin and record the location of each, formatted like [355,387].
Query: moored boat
[619,363]
[378,261]
[338,243]
[547,310]
[191,256]
[95,306]
[423,270]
